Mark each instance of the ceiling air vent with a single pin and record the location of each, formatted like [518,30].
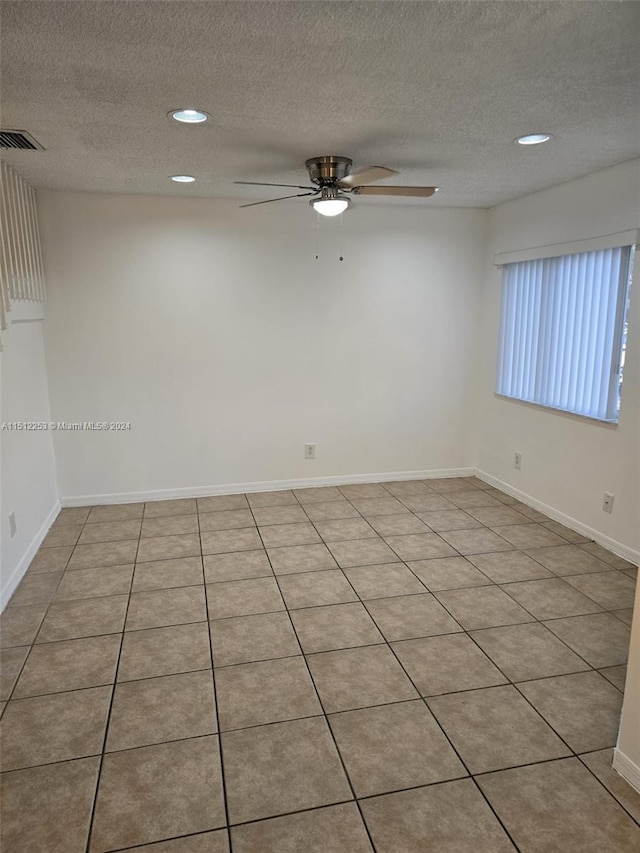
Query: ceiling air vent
[19,139]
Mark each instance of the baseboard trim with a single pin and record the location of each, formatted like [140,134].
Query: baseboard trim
[626,768]
[607,542]
[262,486]
[18,573]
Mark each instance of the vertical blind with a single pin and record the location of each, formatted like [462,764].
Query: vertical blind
[561,331]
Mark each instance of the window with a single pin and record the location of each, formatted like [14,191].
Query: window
[562,332]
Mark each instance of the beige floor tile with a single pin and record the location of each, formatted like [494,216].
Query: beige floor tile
[69,665]
[392,747]
[11,663]
[72,515]
[301,558]
[448,519]
[110,531]
[330,510]
[625,616]
[160,607]
[250,638]
[494,728]
[60,796]
[631,572]
[156,710]
[35,589]
[280,768]
[583,708]
[528,511]
[579,816]
[482,607]
[565,532]
[67,534]
[164,651]
[313,589]
[601,639]
[169,525]
[495,516]
[226,541]
[508,566]
[88,617]
[617,675]
[226,520]
[371,507]
[94,583]
[116,512]
[165,574]
[606,556]
[344,529]
[551,598]
[46,729]
[279,515]
[50,560]
[402,524]
[407,487]
[476,541]
[337,626]
[384,581]
[451,817]
[362,552]
[363,491]
[423,546]
[318,495]
[180,506]
[430,502]
[283,497]
[220,503]
[406,616]
[612,590]
[243,598]
[529,535]
[169,547]
[528,651]
[446,485]
[448,573]
[358,678]
[19,625]
[269,691]
[336,828]
[104,554]
[568,560]
[205,842]
[281,535]
[239,565]
[446,663]
[472,498]
[600,765]
[157,792]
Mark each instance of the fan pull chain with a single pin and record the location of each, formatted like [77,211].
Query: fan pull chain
[317,236]
[340,239]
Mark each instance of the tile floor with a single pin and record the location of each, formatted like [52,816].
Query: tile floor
[396,668]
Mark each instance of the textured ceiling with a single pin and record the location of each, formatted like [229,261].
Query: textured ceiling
[437,90]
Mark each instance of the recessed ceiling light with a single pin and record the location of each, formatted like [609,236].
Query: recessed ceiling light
[534,138]
[189,116]
[183,179]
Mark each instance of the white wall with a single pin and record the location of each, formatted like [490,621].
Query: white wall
[568,462]
[28,481]
[217,334]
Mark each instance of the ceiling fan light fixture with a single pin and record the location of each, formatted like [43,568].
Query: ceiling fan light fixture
[182,179]
[189,116]
[330,203]
[534,138]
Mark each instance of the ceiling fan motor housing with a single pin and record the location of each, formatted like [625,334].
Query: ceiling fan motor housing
[327,171]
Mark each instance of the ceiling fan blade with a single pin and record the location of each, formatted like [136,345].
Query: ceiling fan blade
[421,192]
[366,176]
[261,184]
[282,198]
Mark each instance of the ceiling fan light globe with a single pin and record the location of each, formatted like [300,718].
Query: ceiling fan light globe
[330,206]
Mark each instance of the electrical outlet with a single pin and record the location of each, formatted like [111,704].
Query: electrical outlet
[13,527]
[517,461]
[309,451]
[607,502]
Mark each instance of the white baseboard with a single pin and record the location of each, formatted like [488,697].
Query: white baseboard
[17,574]
[618,548]
[627,768]
[263,486]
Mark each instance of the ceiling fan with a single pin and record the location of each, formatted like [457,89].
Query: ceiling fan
[333,178]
